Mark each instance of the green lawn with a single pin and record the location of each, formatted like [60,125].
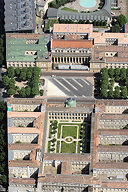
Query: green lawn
[49,143]
[68,148]
[69,131]
[68,9]
[57,147]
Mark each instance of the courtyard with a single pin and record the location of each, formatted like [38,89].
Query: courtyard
[68,137]
[82,5]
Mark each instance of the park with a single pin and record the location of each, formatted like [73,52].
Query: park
[69,137]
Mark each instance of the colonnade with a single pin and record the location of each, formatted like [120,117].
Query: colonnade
[75,60]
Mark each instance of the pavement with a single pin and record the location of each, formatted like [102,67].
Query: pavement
[67,73]
[69,86]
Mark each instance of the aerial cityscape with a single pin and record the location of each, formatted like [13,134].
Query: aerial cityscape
[64,96]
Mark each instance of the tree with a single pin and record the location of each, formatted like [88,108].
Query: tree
[12,83]
[3,180]
[104,93]
[117,78]
[123,74]
[11,72]
[117,92]
[22,92]
[2,156]
[23,75]
[104,86]
[117,72]
[28,90]
[115,29]
[111,94]
[124,92]
[17,71]
[126,82]
[122,20]
[29,74]
[11,92]
[111,72]
[35,91]
[5,80]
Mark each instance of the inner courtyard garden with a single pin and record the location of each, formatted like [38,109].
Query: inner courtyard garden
[69,137]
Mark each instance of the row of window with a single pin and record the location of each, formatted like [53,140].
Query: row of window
[71,114]
[71,51]
[22,65]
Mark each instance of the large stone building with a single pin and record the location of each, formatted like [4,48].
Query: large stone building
[25,133]
[28,50]
[19,15]
[67,53]
[103,169]
[107,49]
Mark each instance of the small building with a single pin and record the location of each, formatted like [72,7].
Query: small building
[70,102]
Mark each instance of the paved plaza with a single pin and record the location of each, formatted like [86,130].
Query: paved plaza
[76,6]
[65,86]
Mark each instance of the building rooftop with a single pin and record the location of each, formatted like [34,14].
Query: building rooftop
[100,38]
[29,181]
[23,114]
[114,117]
[19,15]
[67,157]
[23,163]
[56,43]
[22,146]
[27,130]
[111,165]
[112,148]
[72,28]
[112,132]
[17,47]
[25,101]
[115,184]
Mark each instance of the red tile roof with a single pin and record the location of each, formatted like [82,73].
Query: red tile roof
[71,43]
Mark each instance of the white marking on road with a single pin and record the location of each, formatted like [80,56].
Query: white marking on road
[85,81]
[77,82]
[62,84]
[70,84]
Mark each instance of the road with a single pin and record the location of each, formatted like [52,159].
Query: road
[69,74]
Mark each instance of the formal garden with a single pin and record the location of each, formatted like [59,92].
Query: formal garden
[112,84]
[69,137]
[22,82]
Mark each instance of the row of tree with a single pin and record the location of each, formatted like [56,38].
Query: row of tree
[3,145]
[29,74]
[95,23]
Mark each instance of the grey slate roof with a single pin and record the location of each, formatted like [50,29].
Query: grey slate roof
[19,15]
[103,14]
[52,12]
